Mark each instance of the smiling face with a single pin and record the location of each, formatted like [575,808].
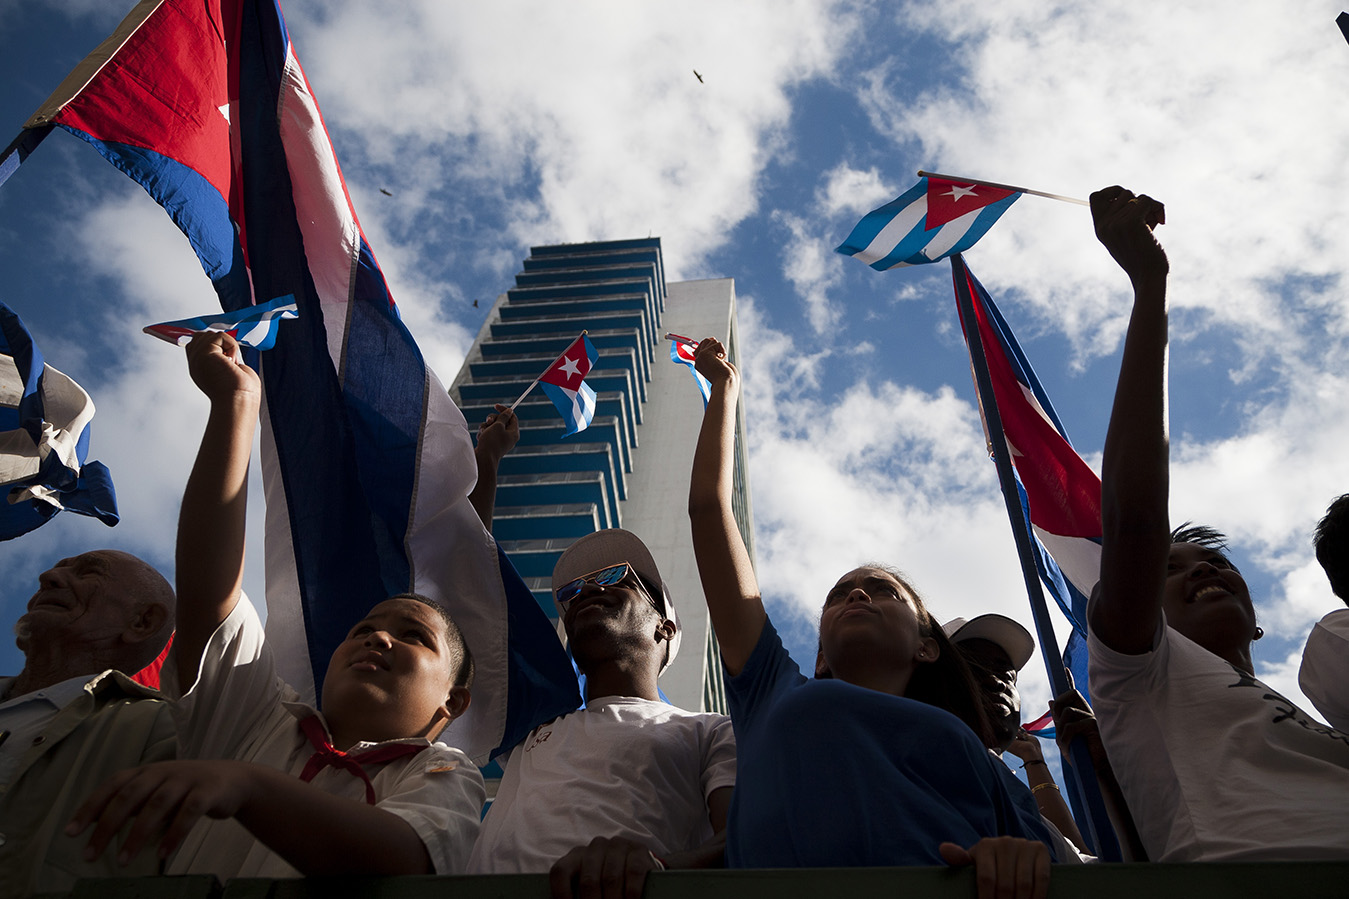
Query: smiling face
[608,621]
[393,676]
[870,613]
[1206,599]
[995,673]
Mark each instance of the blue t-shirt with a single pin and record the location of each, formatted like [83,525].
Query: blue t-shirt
[834,775]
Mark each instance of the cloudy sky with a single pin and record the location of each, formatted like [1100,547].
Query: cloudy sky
[498,126]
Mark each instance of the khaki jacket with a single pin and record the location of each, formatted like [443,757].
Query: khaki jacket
[115,724]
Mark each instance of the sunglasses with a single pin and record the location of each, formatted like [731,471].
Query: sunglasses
[605,577]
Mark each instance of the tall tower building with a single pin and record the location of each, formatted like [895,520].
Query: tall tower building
[631,467]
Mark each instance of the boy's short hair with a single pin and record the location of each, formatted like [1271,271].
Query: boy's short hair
[1202,535]
[461,657]
[1332,545]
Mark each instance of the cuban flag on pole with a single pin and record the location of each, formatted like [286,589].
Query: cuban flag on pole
[367,464]
[44,438]
[930,221]
[564,382]
[681,351]
[1060,493]
[253,326]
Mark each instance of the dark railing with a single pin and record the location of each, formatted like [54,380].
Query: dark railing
[1269,880]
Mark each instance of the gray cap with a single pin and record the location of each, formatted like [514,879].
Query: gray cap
[609,547]
[1014,639]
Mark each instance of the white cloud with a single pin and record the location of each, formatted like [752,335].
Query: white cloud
[811,267]
[596,103]
[881,473]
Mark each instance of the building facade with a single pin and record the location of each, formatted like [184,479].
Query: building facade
[631,467]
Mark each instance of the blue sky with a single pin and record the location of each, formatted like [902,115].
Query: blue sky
[525,123]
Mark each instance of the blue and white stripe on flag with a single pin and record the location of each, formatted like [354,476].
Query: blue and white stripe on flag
[682,352]
[44,439]
[253,326]
[930,221]
[564,383]
[367,463]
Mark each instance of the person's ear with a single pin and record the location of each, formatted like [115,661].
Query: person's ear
[821,666]
[666,630]
[928,650]
[147,622]
[455,704]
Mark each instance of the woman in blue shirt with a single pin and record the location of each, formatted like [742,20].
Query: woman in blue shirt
[878,760]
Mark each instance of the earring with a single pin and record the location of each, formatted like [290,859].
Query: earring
[1259,632]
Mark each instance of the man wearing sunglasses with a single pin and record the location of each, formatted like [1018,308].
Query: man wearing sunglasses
[628,784]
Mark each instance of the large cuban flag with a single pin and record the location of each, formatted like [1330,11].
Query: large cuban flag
[367,463]
[564,382]
[44,439]
[1060,493]
[930,221]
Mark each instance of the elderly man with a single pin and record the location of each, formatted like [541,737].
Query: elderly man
[71,717]
[630,783]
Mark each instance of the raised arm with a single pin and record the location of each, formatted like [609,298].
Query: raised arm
[1134,481]
[729,584]
[210,553]
[497,436]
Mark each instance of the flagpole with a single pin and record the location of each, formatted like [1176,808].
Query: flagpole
[535,383]
[1024,190]
[1082,770]
[19,149]
[672,336]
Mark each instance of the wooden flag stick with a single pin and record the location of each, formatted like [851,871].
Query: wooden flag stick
[534,383]
[1024,190]
[681,339]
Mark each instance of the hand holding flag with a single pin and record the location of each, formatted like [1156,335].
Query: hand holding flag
[681,351]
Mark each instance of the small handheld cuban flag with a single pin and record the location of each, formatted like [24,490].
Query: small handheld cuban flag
[253,326]
[44,438]
[681,351]
[930,221]
[564,382]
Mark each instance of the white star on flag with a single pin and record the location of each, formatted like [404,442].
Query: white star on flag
[958,193]
[570,367]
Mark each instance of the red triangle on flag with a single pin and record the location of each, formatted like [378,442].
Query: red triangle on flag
[948,200]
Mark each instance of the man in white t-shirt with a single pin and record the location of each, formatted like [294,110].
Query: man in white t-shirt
[1324,675]
[71,717]
[629,783]
[1215,765]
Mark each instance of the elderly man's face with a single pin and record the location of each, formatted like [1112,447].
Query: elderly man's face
[83,599]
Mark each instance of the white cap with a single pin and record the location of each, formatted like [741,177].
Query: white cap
[609,547]
[1014,639]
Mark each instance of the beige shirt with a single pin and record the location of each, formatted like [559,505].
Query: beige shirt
[239,709]
[113,723]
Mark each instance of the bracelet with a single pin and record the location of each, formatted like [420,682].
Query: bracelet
[1035,762]
[1049,785]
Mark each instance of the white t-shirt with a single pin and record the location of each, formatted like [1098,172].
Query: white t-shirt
[1215,765]
[1324,675]
[621,767]
[239,709]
